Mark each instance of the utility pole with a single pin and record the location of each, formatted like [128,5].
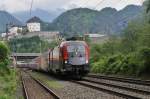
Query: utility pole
[15,50]
[7,31]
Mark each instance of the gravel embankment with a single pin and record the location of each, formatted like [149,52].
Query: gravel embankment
[70,90]
[19,89]
[142,87]
[119,90]
[125,84]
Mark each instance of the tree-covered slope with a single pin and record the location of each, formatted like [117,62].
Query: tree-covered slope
[107,21]
[104,21]
[75,21]
[6,18]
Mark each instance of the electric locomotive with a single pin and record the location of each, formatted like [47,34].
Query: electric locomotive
[68,58]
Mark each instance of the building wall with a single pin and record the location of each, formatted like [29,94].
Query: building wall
[15,29]
[49,36]
[34,27]
[97,38]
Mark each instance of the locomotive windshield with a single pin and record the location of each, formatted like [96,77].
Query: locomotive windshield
[76,48]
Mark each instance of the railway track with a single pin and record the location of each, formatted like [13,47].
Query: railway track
[140,91]
[110,84]
[107,90]
[120,79]
[110,88]
[34,89]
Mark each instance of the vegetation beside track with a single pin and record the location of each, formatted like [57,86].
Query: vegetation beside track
[128,54]
[52,83]
[8,77]
[8,85]
[30,45]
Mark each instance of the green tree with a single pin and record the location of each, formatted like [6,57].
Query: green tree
[3,52]
[148,6]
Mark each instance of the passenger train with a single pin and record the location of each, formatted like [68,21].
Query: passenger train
[68,58]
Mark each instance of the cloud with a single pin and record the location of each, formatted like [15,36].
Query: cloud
[99,4]
[51,5]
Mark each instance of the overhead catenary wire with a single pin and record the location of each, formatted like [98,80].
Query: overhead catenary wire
[101,2]
[86,2]
[98,4]
[142,1]
[31,7]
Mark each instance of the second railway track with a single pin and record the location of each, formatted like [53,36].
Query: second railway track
[107,90]
[140,91]
[121,79]
[136,89]
[34,89]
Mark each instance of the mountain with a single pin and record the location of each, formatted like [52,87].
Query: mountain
[6,18]
[106,21]
[126,15]
[75,21]
[46,16]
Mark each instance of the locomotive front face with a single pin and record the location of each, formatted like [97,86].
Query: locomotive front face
[77,53]
[75,57]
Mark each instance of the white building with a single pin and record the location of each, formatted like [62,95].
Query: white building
[15,29]
[96,38]
[46,35]
[34,24]
[9,35]
[95,35]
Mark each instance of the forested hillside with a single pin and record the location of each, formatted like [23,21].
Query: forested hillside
[75,21]
[81,20]
[126,55]
[108,20]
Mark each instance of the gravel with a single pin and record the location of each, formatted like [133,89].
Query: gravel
[34,90]
[125,84]
[71,90]
[142,87]
[75,91]
[19,89]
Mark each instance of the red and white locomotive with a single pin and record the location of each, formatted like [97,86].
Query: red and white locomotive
[70,57]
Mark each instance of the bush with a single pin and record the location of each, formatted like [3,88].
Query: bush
[3,52]
[120,64]
[99,67]
[128,54]
[144,57]
[8,85]
[4,61]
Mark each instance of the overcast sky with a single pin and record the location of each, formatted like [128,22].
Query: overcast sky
[51,5]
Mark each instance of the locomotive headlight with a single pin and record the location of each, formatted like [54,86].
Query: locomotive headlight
[87,61]
[65,62]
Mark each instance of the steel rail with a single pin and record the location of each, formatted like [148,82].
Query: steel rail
[120,79]
[24,88]
[41,84]
[106,90]
[119,86]
[46,88]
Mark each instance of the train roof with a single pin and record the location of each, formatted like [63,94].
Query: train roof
[68,42]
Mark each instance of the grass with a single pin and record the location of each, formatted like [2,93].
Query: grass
[8,85]
[52,83]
